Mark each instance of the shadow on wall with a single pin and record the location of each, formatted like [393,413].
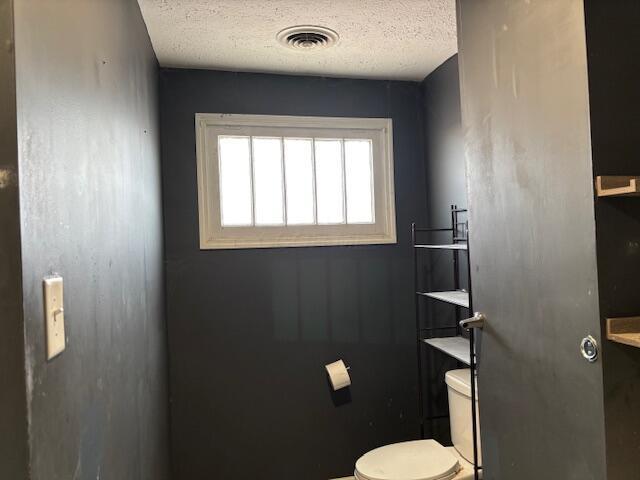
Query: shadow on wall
[336,300]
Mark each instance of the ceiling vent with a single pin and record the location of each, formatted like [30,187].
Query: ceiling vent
[307,37]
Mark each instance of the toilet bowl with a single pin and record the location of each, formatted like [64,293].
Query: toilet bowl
[427,459]
[416,460]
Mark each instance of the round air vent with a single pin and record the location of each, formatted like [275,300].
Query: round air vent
[307,37]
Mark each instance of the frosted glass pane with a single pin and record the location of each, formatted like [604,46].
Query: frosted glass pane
[329,187]
[235,181]
[359,181]
[298,165]
[267,181]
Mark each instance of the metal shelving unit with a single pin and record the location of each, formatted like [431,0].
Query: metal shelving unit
[448,339]
[456,347]
[459,298]
[452,246]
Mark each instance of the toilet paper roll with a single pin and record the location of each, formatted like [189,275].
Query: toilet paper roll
[338,375]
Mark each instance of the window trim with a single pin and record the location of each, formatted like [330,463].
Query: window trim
[214,236]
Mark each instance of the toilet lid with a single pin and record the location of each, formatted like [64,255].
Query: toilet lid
[417,460]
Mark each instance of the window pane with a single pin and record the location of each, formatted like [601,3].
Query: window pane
[359,181]
[298,165]
[235,181]
[267,181]
[329,187]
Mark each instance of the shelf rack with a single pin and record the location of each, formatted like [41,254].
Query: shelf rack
[624,330]
[456,347]
[617,186]
[447,339]
[455,297]
[451,246]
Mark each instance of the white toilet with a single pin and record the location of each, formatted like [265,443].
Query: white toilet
[427,459]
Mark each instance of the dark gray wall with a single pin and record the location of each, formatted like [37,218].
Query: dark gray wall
[613,48]
[250,330]
[13,418]
[525,105]
[444,147]
[91,211]
[445,186]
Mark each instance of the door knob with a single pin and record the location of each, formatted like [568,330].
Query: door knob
[477,321]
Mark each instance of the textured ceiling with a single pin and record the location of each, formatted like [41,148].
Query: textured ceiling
[389,39]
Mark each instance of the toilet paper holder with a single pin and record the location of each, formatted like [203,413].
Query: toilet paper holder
[338,374]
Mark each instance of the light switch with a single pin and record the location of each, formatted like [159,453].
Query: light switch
[54,312]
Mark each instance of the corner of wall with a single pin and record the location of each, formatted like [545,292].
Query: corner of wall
[13,410]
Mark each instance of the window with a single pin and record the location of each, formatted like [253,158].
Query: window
[271,181]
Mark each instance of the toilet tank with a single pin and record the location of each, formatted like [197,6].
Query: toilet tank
[459,391]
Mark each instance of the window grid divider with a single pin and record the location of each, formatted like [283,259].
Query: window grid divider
[344,182]
[285,221]
[372,184]
[315,192]
[251,183]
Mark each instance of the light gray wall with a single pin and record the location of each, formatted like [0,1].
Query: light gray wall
[91,211]
[13,420]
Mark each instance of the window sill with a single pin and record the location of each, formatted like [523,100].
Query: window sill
[227,243]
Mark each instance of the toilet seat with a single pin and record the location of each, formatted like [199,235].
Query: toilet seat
[416,460]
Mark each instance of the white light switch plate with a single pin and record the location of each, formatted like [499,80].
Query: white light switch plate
[54,313]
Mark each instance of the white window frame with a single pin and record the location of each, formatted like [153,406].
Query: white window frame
[215,236]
